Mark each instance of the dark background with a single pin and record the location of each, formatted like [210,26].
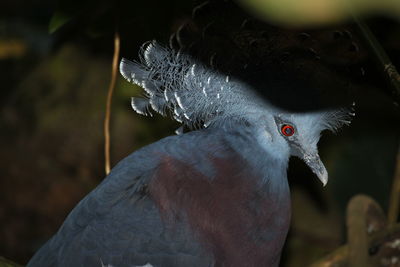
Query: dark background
[53,94]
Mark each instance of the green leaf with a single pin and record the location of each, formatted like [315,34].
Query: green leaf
[58,20]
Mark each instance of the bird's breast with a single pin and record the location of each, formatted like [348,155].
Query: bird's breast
[239,221]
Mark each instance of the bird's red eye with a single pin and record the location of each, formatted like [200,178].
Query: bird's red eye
[287,130]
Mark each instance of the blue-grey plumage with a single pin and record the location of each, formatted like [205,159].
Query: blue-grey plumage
[119,224]
[216,196]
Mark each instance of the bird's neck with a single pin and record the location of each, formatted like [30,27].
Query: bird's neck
[265,153]
[269,205]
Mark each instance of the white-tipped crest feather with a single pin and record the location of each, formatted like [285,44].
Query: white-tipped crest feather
[199,96]
[194,93]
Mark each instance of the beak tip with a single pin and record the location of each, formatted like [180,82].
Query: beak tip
[314,162]
[324,178]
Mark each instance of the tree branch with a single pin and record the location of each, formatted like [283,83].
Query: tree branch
[393,212]
[111,87]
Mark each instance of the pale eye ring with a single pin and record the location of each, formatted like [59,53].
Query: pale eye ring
[287,130]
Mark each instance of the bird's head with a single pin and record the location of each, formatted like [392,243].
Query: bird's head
[200,97]
[299,134]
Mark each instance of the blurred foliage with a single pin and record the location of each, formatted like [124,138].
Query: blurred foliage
[7,263]
[316,12]
[52,107]
[58,20]
[12,48]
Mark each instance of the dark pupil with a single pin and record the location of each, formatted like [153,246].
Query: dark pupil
[288,131]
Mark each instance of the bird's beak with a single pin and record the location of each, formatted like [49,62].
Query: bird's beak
[314,162]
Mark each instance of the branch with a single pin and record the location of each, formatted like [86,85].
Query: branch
[111,87]
[393,212]
[357,229]
[340,257]
[391,74]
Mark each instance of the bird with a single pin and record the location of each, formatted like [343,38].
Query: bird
[214,194]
